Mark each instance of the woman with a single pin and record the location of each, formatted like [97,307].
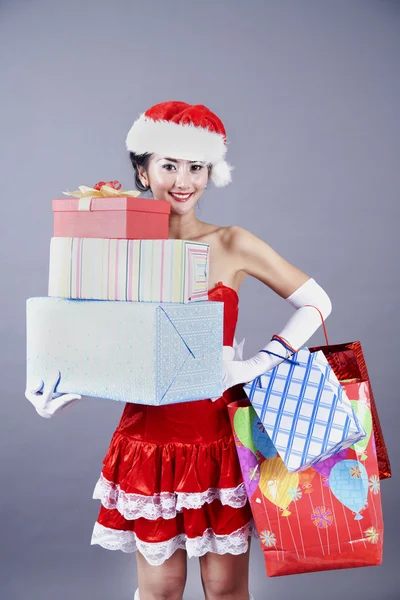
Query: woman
[171,484]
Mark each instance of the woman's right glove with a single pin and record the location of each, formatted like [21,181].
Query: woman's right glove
[46,401]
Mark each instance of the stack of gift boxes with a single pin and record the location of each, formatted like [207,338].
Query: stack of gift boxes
[127,316]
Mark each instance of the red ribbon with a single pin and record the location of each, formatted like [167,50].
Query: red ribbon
[116,185]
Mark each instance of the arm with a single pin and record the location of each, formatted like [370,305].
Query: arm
[258,259]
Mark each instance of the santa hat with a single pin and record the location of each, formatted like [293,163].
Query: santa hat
[185,131]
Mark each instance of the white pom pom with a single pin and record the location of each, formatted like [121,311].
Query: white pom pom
[221,173]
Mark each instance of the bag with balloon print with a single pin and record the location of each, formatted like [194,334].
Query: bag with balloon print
[326,517]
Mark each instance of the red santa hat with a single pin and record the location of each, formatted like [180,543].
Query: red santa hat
[186,131]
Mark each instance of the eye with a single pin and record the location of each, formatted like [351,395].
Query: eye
[197,167]
[167,165]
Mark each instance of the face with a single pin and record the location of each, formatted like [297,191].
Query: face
[180,182]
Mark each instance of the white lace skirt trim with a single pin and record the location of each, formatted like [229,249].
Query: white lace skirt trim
[157,552]
[164,504]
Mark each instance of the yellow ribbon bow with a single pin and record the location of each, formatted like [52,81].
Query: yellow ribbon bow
[102,189]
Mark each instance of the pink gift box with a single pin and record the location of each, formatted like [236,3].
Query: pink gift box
[117,217]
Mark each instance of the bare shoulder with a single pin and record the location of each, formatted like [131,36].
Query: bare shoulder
[238,240]
[236,253]
[229,238]
[257,258]
[237,236]
[216,235]
[227,235]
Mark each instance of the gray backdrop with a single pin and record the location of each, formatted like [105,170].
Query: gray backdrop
[308,93]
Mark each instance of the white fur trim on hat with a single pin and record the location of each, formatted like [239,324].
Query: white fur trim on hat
[187,142]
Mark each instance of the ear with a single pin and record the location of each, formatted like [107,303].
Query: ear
[143,176]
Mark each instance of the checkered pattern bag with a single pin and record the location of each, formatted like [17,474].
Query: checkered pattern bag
[304,410]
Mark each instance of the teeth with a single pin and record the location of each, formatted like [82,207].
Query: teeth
[183,196]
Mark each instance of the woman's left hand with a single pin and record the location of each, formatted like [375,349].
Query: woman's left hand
[243,371]
[233,373]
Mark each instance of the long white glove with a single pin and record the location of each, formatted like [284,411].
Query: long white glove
[46,401]
[297,331]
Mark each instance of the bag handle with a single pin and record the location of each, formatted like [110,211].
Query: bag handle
[286,344]
[323,322]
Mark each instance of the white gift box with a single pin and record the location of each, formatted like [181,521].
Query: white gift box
[129,351]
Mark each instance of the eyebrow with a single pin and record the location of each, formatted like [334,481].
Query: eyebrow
[175,161]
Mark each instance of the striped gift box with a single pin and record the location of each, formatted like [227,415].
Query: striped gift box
[304,410]
[128,270]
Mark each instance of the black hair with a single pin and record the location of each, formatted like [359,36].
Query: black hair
[140,160]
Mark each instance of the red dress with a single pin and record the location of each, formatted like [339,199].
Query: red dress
[171,477]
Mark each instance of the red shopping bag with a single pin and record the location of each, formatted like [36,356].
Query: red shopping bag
[348,363]
[327,517]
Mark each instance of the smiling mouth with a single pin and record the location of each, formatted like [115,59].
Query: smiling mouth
[181,197]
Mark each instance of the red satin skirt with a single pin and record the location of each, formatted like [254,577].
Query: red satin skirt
[171,479]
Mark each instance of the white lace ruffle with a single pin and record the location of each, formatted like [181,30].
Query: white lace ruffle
[163,504]
[156,553]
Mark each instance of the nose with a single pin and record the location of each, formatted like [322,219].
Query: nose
[182,178]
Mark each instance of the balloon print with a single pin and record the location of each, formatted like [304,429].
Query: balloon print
[324,467]
[250,469]
[363,414]
[242,425]
[276,483]
[305,479]
[348,481]
[262,440]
